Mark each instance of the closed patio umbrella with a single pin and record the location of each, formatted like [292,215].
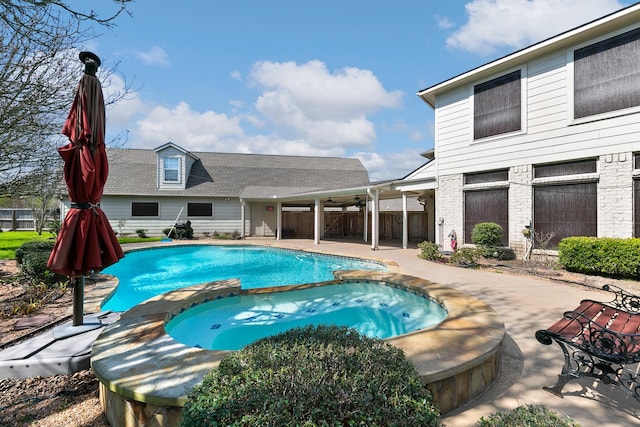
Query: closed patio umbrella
[86,242]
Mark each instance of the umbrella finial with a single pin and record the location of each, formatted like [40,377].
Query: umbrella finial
[91,62]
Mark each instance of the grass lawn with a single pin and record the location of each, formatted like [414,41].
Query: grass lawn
[12,240]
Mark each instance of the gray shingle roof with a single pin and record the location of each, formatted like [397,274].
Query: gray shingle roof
[134,172]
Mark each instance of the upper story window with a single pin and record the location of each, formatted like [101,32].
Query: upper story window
[497,106]
[171,167]
[607,75]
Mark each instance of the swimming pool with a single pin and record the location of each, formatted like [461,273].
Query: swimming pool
[146,273]
[374,309]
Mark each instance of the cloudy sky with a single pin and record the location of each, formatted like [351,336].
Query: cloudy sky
[329,78]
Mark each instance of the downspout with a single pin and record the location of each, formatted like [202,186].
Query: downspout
[366,217]
[242,218]
[375,220]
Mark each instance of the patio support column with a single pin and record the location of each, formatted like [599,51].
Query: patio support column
[279,221]
[405,221]
[375,219]
[317,211]
[242,218]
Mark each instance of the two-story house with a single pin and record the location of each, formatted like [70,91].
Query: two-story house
[547,137]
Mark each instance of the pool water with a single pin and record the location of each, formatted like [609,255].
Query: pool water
[146,273]
[373,309]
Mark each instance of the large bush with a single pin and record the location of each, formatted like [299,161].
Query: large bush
[601,255]
[312,376]
[487,236]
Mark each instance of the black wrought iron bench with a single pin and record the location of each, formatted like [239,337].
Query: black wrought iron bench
[599,340]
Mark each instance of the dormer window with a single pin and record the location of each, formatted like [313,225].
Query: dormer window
[171,169]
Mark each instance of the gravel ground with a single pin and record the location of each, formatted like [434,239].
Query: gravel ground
[61,400]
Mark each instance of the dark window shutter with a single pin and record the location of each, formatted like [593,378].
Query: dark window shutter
[497,106]
[486,206]
[199,209]
[607,75]
[566,210]
[144,209]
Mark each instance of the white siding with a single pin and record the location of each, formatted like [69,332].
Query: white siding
[549,136]
[226,215]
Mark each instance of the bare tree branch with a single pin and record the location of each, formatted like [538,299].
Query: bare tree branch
[39,72]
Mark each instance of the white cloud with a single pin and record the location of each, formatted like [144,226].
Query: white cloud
[120,113]
[301,109]
[512,24]
[325,109]
[444,22]
[208,131]
[390,165]
[154,56]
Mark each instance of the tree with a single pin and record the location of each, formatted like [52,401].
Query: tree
[39,71]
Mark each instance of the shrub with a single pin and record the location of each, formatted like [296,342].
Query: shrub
[429,250]
[33,246]
[487,236]
[525,416]
[601,255]
[465,257]
[312,376]
[141,232]
[32,258]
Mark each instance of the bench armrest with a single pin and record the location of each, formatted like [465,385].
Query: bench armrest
[623,300]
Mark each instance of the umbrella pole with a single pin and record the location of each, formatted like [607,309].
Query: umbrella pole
[78,301]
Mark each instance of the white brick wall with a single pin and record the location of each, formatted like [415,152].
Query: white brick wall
[449,209]
[615,195]
[615,202]
[520,205]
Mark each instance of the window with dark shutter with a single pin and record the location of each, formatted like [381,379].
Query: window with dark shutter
[566,168]
[144,209]
[199,209]
[486,206]
[607,75]
[565,210]
[497,106]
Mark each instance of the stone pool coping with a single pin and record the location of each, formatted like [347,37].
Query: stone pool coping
[137,360]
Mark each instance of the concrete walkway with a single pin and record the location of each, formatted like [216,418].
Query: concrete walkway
[526,304]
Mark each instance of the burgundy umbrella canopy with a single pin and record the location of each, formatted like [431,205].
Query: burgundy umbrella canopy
[86,242]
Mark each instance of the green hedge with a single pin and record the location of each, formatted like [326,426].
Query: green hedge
[312,376]
[32,258]
[604,256]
